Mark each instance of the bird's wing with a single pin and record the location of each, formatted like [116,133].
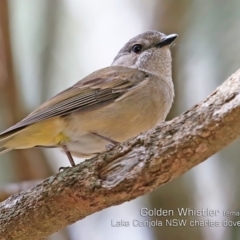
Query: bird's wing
[103,86]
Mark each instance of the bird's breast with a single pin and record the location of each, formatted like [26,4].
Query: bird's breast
[136,111]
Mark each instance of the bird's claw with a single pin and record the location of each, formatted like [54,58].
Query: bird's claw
[110,147]
[61,169]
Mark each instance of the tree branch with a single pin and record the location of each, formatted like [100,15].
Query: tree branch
[13,188]
[130,170]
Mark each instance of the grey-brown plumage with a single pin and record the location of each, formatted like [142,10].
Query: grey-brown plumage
[113,103]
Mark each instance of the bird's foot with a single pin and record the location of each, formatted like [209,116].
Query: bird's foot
[61,169]
[110,147]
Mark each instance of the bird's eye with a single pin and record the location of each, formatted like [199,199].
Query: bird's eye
[137,48]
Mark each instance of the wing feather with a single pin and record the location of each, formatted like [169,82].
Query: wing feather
[105,85]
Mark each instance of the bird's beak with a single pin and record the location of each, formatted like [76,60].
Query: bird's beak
[167,40]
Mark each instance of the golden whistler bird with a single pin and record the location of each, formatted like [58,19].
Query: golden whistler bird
[108,106]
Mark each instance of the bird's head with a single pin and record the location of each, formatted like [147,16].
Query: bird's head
[148,51]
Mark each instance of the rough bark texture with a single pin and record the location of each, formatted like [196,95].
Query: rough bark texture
[13,188]
[128,171]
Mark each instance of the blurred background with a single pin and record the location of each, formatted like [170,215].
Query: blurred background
[46,46]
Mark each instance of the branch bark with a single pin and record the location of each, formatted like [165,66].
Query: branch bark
[131,169]
[13,188]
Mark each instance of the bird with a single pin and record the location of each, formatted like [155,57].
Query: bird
[107,107]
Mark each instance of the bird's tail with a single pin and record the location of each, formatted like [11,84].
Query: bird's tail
[4,150]
[4,138]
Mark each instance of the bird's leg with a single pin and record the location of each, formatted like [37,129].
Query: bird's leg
[105,138]
[109,146]
[70,158]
